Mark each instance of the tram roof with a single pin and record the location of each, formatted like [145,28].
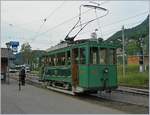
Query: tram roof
[80,43]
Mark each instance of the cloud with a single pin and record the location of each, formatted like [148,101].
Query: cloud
[27,18]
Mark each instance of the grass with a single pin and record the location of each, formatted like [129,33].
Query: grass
[133,77]
[35,72]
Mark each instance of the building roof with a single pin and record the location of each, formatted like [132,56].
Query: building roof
[5,53]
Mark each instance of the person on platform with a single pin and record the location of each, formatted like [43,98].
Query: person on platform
[22,75]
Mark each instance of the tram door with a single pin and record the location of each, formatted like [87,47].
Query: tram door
[75,58]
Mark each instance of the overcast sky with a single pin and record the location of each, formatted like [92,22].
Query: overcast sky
[23,20]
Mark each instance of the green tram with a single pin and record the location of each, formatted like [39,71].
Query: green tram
[84,66]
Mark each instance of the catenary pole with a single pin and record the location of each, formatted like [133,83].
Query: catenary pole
[123,52]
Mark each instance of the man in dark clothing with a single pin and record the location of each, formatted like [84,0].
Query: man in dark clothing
[22,75]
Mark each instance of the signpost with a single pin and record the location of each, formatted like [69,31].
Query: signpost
[8,67]
[12,46]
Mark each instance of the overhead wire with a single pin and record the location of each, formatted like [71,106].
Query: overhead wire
[104,25]
[85,12]
[128,18]
[46,18]
[66,21]
[113,31]
[116,22]
[54,11]
[21,29]
[123,19]
[98,23]
[33,21]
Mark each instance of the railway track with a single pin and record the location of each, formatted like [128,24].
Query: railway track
[125,97]
[133,90]
[122,94]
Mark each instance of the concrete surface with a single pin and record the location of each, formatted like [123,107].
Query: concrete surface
[33,100]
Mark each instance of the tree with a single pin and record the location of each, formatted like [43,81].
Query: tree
[133,47]
[26,52]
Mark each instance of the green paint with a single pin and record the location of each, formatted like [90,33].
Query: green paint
[93,76]
[67,79]
[83,76]
[90,76]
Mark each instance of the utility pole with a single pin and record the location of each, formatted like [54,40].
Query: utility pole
[123,51]
[141,57]
[126,53]
[8,65]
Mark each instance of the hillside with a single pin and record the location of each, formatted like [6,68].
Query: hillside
[132,35]
[34,56]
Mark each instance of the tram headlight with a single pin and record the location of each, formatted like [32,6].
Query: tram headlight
[106,70]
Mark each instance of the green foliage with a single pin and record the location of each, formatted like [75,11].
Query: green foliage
[35,59]
[35,72]
[31,57]
[26,52]
[133,77]
[133,48]
[25,47]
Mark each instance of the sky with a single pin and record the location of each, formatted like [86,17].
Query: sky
[23,21]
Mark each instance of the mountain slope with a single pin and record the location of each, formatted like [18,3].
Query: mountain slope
[132,36]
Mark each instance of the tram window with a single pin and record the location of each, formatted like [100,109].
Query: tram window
[46,60]
[82,56]
[112,54]
[61,58]
[93,55]
[49,60]
[102,53]
[54,61]
[42,60]
[68,58]
[58,59]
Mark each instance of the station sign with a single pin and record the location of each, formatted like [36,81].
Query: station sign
[14,45]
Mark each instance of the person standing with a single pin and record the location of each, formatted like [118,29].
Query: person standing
[22,75]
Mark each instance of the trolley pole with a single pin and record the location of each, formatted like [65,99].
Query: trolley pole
[123,52]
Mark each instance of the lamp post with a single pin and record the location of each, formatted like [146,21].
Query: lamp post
[8,47]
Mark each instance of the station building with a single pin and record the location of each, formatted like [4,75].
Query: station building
[7,58]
